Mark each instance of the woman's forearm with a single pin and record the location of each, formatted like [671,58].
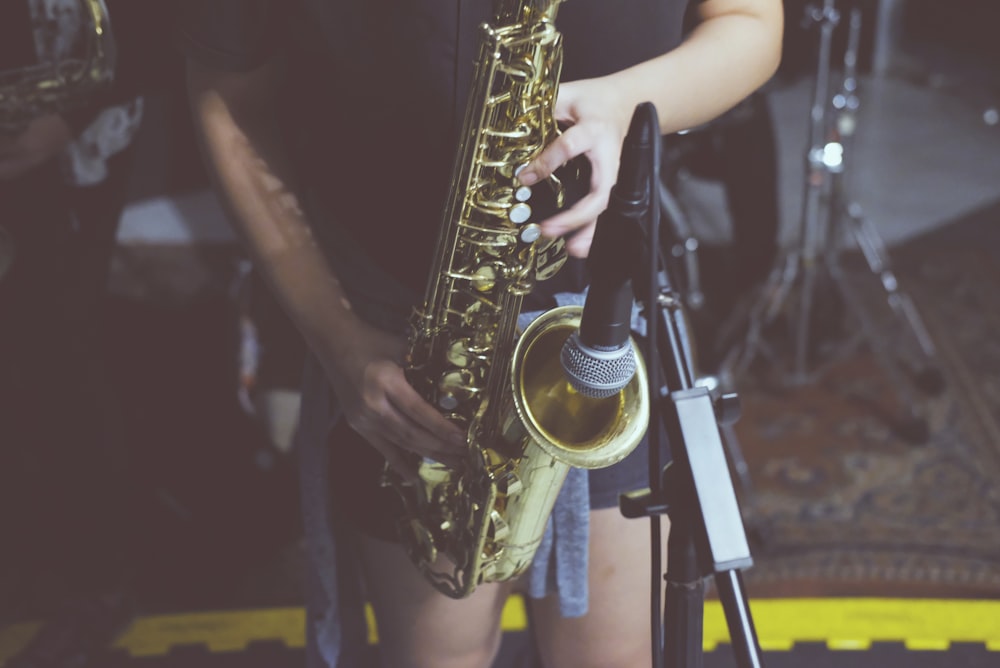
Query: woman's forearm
[735,48]
[233,116]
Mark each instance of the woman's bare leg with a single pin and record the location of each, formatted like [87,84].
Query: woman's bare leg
[418,626]
[615,633]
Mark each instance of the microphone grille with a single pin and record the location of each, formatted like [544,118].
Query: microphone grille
[597,373]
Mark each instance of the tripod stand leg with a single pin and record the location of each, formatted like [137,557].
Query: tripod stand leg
[929,377]
[741,627]
[771,299]
[803,330]
[913,427]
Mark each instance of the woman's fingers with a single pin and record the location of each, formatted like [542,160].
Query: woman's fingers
[399,438]
[426,418]
[561,150]
[581,214]
[601,146]
[579,244]
[399,460]
[389,413]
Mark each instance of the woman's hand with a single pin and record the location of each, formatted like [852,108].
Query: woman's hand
[596,123]
[41,140]
[383,407]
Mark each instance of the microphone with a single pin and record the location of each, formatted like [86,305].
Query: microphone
[598,359]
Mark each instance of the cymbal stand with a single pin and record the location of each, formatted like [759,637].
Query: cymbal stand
[826,216]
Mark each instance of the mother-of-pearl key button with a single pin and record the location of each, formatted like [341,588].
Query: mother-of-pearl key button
[530,233]
[519,213]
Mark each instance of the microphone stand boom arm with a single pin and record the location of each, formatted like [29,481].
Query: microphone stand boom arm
[695,490]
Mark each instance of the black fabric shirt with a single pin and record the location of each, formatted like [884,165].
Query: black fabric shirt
[376,94]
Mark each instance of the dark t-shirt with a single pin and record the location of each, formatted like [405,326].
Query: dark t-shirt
[376,95]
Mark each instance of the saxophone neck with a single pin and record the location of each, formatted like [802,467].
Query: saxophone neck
[509,12]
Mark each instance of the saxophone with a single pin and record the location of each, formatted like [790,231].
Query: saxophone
[526,426]
[61,78]
[71,68]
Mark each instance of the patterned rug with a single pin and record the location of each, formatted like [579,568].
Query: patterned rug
[839,503]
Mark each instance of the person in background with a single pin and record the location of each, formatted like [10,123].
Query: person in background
[65,163]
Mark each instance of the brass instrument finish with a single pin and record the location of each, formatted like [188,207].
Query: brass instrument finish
[483,521]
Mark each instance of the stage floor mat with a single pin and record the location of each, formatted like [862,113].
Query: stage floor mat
[831,633]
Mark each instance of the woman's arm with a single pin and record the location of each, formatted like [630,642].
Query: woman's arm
[235,116]
[734,49]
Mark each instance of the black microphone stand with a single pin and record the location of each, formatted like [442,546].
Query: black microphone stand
[695,490]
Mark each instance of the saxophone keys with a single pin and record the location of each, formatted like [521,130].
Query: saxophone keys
[484,278]
[530,233]
[509,484]
[519,213]
[499,529]
[458,354]
[550,257]
[448,402]
[421,547]
[455,387]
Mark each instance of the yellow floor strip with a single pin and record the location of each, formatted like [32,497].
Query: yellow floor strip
[854,624]
[218,631]
[848,624]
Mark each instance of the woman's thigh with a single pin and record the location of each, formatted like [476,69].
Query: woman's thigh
[419,627]
[615,632]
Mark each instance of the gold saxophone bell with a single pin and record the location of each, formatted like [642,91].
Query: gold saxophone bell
[582,431]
